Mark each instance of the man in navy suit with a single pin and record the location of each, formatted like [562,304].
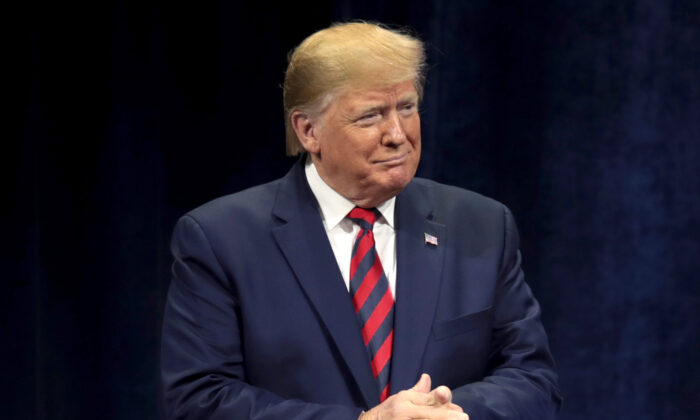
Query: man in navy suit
[348,288]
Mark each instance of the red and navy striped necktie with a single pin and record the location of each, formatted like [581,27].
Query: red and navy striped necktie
[371,296]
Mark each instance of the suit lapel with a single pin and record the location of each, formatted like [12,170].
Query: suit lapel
[419,274]
[303,240]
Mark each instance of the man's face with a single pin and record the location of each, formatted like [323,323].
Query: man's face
[369,143]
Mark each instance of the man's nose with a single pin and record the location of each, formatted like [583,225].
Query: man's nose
[394,133]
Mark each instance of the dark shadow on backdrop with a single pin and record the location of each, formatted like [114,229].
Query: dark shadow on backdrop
[581,117]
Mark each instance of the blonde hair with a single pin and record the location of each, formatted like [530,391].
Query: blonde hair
[346,56]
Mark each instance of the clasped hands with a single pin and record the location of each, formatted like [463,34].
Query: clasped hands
[418,402]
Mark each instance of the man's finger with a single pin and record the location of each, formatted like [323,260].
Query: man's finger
[442,395]
[423,384]
[436,412]
[455,407]
[437,397]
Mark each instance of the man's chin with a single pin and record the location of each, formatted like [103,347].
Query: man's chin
[394,185]
[382,186]
[397,178]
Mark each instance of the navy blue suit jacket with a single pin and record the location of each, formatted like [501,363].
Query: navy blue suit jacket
[259,323]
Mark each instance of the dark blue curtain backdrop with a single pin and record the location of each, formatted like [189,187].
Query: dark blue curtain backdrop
[582,117]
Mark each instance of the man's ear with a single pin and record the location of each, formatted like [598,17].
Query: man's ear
[306,130]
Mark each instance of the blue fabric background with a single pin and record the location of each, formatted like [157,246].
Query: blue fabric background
[582,117]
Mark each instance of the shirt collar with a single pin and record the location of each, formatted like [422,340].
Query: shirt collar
[334,207]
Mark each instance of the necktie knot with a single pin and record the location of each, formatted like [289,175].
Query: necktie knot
[364,217]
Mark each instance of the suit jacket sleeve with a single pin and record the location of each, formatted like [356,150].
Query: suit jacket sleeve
[520,382]
[202,356]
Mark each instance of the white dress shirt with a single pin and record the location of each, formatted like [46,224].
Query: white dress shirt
[342,231]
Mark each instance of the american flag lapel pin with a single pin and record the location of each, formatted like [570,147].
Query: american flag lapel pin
[430,239]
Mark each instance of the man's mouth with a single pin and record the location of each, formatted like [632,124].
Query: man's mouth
[394,160]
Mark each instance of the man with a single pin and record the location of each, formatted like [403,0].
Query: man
[347,288]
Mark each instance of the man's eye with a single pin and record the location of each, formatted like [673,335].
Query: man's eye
[409,107]
[368,116]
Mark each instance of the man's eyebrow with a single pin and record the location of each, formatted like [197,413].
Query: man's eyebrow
[381,106]
[370,108]
[409,97]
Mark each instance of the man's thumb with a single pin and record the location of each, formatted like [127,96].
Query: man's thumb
[423,384]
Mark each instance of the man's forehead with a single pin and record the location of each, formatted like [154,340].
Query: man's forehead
[399,92]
